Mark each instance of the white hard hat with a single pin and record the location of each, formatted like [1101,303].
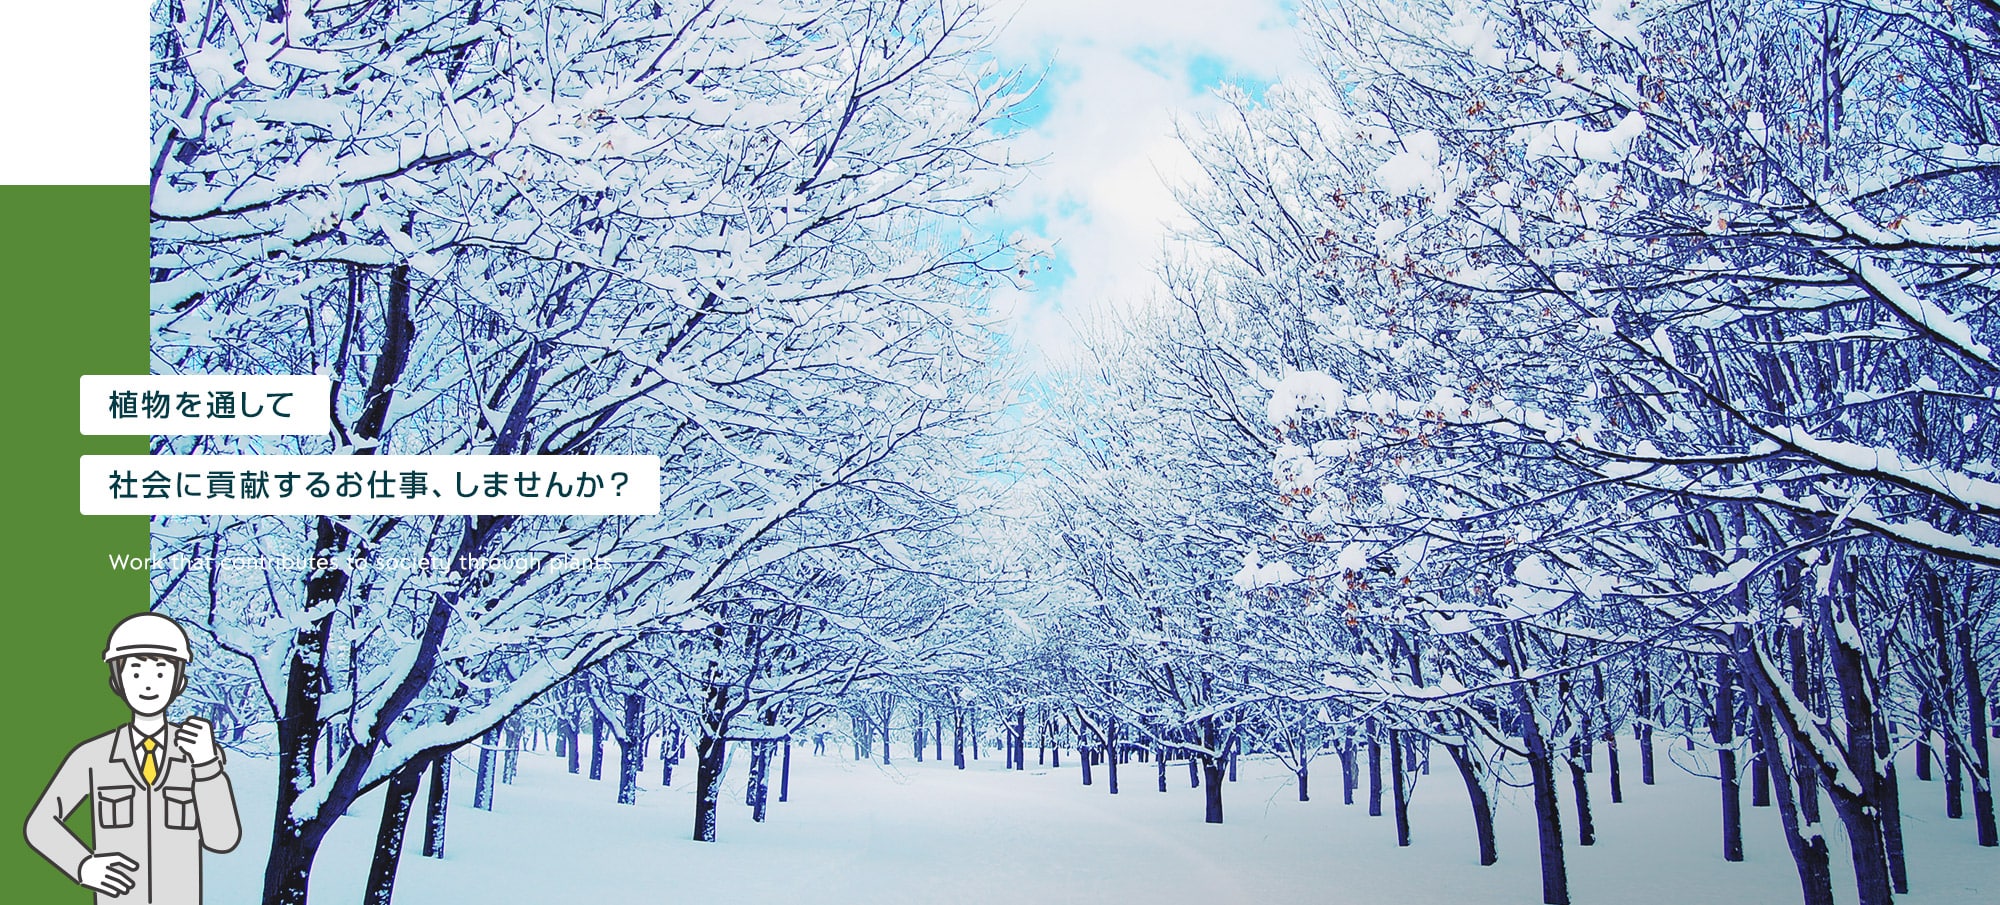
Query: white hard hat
[147,635]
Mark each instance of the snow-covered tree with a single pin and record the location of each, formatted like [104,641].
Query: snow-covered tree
[716,232]
[1611,335]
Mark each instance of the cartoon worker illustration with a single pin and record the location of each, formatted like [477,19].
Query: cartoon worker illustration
[158,791]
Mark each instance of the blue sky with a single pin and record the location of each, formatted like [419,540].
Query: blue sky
[1115,76]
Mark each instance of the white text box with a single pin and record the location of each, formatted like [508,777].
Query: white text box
[204,404]
[369,485]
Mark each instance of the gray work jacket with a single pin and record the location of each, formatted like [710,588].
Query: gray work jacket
[163,826]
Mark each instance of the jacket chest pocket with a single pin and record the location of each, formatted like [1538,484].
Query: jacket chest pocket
[180,810]
[114,806]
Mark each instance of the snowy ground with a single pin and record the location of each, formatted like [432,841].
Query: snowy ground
[864,833]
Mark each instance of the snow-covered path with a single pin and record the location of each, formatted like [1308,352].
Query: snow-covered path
[920,833]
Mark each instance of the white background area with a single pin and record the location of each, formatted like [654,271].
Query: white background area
[74,100]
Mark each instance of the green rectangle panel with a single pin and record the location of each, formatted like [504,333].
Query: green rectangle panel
[73,285]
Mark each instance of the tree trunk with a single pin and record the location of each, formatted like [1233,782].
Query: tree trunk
[1548,812]
[632,749]
[1611,764]
[760,785]
[1212,771]
[1802,688]
[1401,794]
[670,754]
[1645,740]
[1930,708]
[708,751]
[888,716]
[1891,811]
[1374,773]
[1760,772]
[396,801]
[511,763]
[288,872]
[1925,719]
[1642,732]
[1349,777]
[958,737]
[759,761]
[1548,827]
[785,773]
[1860,813]
[482,783]
[1111,754]
[1981,765]
[435,804]
[1865,845]
[596,745]
[1723,728]
[1021,739]
[295,841]
[1482,805]
[1808,845]
[1579,783]
[1954,782]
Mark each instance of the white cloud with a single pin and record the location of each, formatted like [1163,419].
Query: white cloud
[1119,75]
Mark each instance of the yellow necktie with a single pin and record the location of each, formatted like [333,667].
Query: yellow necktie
[149,769]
